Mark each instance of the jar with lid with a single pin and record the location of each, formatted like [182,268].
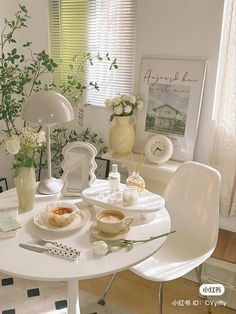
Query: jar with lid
[130,195]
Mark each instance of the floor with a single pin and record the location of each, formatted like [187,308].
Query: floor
[22,296]
[180,296]
[141,296]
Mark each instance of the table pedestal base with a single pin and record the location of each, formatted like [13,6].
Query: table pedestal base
[73,297]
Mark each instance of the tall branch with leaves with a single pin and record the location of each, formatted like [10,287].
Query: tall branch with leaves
[22,72]
[72,86]
[20,76]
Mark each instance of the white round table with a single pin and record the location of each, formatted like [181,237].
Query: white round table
[23,263]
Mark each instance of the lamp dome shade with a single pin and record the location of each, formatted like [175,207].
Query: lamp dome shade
[47,107]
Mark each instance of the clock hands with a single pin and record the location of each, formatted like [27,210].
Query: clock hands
[157,149]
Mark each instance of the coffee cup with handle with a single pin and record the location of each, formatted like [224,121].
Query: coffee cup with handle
[112,221]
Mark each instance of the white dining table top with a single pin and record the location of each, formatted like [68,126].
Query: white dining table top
[17,261]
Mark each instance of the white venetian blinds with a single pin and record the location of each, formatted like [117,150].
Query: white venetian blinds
[67,33]
[111,28]
[78,26]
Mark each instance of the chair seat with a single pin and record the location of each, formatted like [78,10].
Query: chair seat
[174,259]
[192,199]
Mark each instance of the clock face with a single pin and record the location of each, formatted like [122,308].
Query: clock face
[158,149]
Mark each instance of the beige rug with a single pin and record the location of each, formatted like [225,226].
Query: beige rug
[21,296]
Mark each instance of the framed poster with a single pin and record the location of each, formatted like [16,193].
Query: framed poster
[172,90]
[103,166]
[3,185]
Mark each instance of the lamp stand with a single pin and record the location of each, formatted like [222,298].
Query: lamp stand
[49,185]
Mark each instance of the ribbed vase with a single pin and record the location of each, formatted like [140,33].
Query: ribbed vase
[122,135]
[25,187]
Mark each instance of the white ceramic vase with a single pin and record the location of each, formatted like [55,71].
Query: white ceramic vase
[25,187]
[122,135]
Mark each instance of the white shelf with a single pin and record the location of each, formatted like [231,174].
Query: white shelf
[127,161]
[170,166]
[156,176]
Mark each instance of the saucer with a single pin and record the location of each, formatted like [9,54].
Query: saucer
[96,233]
[80,220]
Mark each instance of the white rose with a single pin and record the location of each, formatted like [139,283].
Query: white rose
[128,109]
[41,137]
[13,145]
[118,110]
[132,99]
[124,97]
[117,100]
[108,103]
[140,104]
[100,248]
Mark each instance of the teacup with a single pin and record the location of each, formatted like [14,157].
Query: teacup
[112,221]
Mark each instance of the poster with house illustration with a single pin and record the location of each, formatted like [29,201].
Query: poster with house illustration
[167,109]
[172,90]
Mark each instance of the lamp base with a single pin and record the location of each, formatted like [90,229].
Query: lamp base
[50,186]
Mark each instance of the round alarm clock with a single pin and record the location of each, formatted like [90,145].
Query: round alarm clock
[158,148]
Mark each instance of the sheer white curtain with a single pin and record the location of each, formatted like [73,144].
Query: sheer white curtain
[224,149]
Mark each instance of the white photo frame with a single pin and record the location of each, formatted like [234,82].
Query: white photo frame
[78,167]
[172,90]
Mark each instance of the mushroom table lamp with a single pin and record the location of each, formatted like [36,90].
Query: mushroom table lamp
[48,108]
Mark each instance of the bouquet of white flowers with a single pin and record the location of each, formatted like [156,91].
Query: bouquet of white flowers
[123,105]
[23,146]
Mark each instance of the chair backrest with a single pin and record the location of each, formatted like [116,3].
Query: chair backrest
[192,199]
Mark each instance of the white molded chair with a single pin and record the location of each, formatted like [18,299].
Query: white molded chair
[192,199]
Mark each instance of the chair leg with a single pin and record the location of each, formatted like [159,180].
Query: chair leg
[198,275]
[161,297]
[102,300]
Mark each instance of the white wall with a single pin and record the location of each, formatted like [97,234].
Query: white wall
[183,28]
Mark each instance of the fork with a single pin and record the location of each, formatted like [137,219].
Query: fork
[59,245]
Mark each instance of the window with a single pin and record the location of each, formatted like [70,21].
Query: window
[67,33]
[94,26]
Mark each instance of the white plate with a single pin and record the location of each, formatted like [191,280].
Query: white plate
[81,218]
[96,233]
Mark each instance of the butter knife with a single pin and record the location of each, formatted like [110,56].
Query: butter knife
[52,251]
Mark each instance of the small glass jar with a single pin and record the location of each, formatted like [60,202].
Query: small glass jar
[136,180]
[114,197]
[130,195]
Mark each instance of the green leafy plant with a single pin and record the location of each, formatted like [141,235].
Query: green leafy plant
[22,72]
[24,147]
[72,86]
[20,75]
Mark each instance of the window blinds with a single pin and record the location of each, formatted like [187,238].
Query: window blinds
[67,33]
[111,28]
[78,26]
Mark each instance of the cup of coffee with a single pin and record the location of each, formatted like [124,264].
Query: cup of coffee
[112,221]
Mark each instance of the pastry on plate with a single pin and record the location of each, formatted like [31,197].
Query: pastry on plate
[61,214]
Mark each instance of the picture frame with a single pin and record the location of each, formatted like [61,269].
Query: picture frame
[172,90]
[3,185]
[78,167]
[103,167]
